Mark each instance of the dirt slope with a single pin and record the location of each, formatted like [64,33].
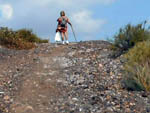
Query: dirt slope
[75,78]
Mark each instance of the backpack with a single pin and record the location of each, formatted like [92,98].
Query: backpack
[63,23]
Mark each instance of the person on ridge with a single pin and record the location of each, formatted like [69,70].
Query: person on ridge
[62,26]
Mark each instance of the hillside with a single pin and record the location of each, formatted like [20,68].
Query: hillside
[75,78]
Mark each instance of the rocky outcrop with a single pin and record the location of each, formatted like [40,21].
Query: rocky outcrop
[75,78]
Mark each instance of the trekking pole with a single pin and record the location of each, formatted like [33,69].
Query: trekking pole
[74,33]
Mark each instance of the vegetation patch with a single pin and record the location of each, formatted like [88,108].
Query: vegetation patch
[130,35]
[137,67]
[20,39]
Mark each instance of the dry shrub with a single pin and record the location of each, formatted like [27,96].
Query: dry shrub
[137,69]
[21,39]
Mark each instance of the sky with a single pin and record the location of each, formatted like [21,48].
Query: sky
[91,19]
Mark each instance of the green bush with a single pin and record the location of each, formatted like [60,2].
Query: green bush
[21,39]
[130,35]
[137,68]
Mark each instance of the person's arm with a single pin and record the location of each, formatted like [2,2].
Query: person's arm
[58,20]
[69,22]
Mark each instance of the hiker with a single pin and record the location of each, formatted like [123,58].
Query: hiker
[62,26]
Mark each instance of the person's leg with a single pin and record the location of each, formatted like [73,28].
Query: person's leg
[63,36]
[66,37]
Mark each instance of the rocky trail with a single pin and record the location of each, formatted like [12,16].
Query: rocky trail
[75,78]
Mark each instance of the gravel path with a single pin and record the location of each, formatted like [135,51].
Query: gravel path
[74,78]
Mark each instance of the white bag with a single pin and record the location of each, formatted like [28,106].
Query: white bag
[58,37]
